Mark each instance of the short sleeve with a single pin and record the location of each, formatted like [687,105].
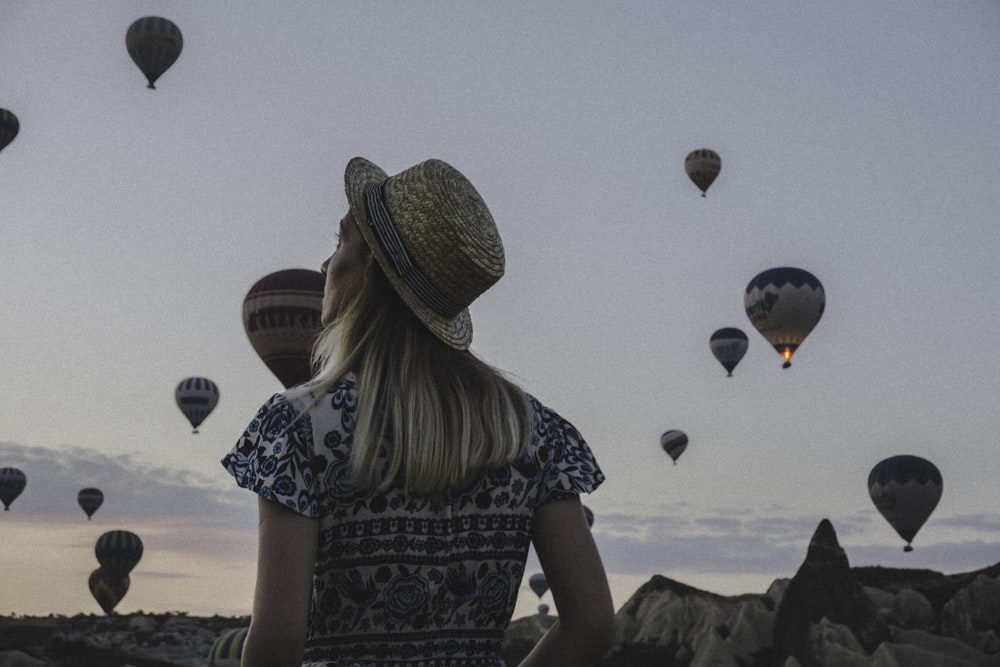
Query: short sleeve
[568,467]
[273,457]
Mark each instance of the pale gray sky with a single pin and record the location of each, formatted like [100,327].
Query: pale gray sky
[857,141]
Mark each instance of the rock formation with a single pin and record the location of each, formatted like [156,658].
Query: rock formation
[823,589]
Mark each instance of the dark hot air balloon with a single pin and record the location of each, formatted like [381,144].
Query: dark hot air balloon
[674,443]
[9,127]
[89,500]
[12,483]
[702,166]
[281,315]
[227,650]
[107,590]
[154,43]
[196,397]
[784,304]
[543,609]
[905,489]
[728,345]
[590,516]
[118,551]
[538,584]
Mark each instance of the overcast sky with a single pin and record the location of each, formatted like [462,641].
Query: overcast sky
[858,140]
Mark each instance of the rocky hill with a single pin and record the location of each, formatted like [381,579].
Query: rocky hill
[827,615]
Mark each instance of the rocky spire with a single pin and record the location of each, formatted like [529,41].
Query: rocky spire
[823,587]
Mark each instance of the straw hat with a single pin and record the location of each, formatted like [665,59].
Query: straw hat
[434,238]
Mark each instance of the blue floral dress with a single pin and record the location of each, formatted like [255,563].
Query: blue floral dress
[403,581]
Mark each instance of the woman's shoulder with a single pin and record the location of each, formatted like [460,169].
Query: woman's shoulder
[565,461]
[304,397]
[544,418]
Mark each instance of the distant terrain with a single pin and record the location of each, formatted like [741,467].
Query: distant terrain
[827,614]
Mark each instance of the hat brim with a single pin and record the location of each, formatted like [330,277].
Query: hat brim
[359,176]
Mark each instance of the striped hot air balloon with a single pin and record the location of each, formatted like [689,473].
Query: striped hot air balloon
[196,397]
[9,127]
[89,500]
[227,650]
[154,43]
[674,443]
[107,590]
[118,551]
[728,345]
[702,166]
[784,304]
[905,490]
[281,316]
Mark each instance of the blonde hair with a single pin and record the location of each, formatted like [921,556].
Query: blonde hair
[429,415]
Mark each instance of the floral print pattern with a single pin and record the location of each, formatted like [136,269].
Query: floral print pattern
[403,581]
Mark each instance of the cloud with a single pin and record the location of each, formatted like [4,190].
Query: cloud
[773,544]
[206,522]
[706,544]
[988,523]
[174,511]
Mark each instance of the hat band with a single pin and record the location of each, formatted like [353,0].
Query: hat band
[380,220]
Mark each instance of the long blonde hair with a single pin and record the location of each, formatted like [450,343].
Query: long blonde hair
[428,414]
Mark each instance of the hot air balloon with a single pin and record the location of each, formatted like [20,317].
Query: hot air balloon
[590,516]
[543,609]
[538,584]
[728,345]
[674,443]
[154,44]
[12,483]
[9,127]
[281,315]
[905,489]
[118,551]
[107,590]
[784,304]
[702,166]
[227,650]
[196,397]
[90,499]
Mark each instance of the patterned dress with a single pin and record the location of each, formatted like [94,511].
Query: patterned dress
[403,581]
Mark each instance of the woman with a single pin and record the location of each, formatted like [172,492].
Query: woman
[400,488]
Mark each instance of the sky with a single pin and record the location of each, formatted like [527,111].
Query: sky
[857,141]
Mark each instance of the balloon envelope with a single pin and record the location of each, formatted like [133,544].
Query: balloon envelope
[702,166]
[12,483]
[154,43]
[196,397]
[538,584]
[118,551]
[89,500]
[728,345]
[228,648]
[543,609]
[281,316]
[107,590]
[674,443]
[905,489]
[784,304]
[9,127]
